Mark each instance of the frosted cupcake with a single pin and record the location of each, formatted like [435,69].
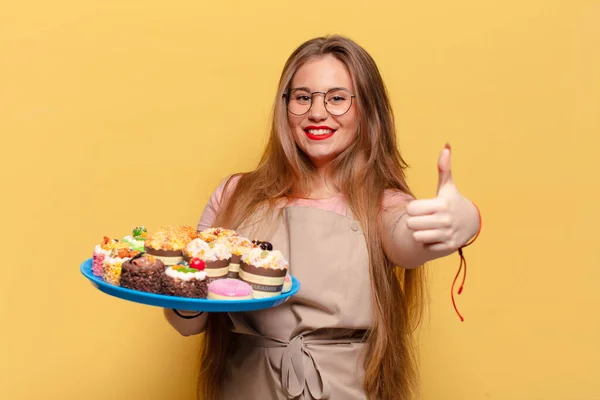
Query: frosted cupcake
[182,281]
[101,251]
[111,268]
[212,234]
[194,249]
[168,243]
[215,255]
[265,271]
[287,283]
[237,246]
[137,239]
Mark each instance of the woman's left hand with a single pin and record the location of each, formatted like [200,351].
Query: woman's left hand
[447,222]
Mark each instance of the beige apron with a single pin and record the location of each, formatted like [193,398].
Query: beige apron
[312,346]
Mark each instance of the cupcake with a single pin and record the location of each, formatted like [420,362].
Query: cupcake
[111,268]
[215,255]
[194,249]
[168,242]
[182,281]
[229,289]
[265,271]
[212,234]
[137,239]
[101,251]
[237,246]
[142,272]
[287,283]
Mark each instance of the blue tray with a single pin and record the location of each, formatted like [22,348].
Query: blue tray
[183,303]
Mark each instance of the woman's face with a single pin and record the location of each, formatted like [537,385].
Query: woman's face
[321,135]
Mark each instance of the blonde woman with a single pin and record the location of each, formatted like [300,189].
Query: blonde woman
[330,192]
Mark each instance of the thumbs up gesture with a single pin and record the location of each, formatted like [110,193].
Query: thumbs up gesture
[446,222]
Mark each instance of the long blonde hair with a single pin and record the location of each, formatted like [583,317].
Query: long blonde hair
[369,166]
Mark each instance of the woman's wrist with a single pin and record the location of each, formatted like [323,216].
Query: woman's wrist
[187,314]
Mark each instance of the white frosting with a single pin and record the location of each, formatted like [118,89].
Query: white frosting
[134,241]
[114,260]
[197,246]
[100,250]
[208,252]
[273,259]
[220,252]
[185,276]
[236,244]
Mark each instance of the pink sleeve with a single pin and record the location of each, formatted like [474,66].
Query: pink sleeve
[212,208]
[393,198]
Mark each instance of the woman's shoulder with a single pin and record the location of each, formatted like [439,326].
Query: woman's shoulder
[221,193]
[226,187]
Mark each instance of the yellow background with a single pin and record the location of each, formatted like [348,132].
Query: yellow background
[119,113]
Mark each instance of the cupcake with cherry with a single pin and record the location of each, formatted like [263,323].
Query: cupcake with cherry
[186,281]
[215,255]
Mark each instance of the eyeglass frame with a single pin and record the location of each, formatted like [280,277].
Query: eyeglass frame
[289,91]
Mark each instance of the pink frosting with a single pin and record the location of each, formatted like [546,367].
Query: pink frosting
[230,287]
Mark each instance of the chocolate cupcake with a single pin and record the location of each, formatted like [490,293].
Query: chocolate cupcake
[264,270]
[182,281]
[143,272]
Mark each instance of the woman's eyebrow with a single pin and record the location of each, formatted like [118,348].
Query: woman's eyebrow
[308,90]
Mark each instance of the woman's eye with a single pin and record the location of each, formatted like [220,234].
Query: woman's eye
[336,99]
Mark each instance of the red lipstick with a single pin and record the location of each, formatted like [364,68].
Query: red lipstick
[321,136]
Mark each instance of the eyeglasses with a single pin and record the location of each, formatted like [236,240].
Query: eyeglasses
[337,101]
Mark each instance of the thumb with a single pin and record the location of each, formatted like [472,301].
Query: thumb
[444,168]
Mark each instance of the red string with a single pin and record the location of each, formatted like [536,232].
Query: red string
[460,289]
[463,262]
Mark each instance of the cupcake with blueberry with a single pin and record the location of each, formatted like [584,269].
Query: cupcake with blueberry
[265,270]
[186,281]
[143,272]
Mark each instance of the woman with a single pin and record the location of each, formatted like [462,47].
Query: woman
[330,193]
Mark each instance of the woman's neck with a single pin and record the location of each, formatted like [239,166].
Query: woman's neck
[322,186]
